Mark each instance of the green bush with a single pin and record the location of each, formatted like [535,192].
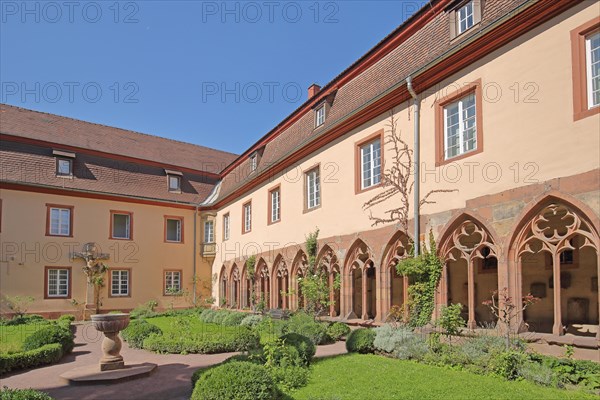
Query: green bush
[305,325]
[208,316]
[24,319]
[337,330]
[480,349]
[23,394]
[251,320]
[59,333]
[508,363]
[290,377]
[46,354]
[361,341]
[137,331]
[305,347]
[537,373]
[220,316]
[145,310]
[67,318]
[450,319]
[241,340]
[236,381]
[234,318]
[572,372]
[389,338]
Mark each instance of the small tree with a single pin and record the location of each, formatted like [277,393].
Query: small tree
[450,320]
[19,304]
[94,270]
[502,307]
[315,284]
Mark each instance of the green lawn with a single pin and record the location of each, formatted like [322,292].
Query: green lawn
[12,337]
[358,376]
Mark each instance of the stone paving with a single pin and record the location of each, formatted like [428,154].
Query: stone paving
[170,381]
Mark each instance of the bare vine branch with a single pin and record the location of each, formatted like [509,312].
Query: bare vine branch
[397,179]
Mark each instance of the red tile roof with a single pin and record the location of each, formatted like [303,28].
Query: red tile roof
[52,128]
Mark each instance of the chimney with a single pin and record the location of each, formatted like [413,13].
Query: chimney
[313,90]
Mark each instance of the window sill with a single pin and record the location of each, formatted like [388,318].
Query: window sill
[440,163]
[118,238]
[307,210]
[47,297]
[586,113]
[173,242]
[359,191]
[63,236]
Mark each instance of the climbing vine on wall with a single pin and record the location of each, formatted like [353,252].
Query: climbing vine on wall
[424,272]
[250,270]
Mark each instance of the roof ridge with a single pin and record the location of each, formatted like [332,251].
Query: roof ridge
[115,127]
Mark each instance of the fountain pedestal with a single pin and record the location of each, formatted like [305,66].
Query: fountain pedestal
[110,325]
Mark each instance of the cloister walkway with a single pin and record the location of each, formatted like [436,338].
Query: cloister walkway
[170,381]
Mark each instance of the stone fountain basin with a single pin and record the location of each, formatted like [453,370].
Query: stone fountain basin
[110,322]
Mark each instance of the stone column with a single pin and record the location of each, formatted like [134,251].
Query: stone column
[405,295]
[331,295]
[364,294]
[557,328]
[471,324]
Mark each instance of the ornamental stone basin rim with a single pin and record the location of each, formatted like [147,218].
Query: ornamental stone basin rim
[110,322]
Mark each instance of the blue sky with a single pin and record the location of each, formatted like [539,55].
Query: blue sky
[219,74]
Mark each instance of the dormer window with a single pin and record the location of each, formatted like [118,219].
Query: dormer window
[464,17]
[64,163]
[174,181]
[253,162]
[320,116]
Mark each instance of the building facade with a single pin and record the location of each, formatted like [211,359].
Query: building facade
[509,178]
[66,183]
[496,102]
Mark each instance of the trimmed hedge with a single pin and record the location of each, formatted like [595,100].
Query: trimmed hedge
[236,380]
[305,325]
[59,333]
[234,318]
[23,394]
[251,320]
[305,347]
[241,340]
[24,319]
[361,341]
[337,330]
[47,354]
[137,331]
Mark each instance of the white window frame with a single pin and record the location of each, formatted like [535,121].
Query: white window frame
[178,232]
[209,231]
[59,281]
[370,164]
[128,226]
[275,205]
[253,162]
[313,189]
[58,212]
[172,281]
[121,277]
[68,162]
[174,178]
[247,217]
[226,225]
[320,116]
[588,69]
[464,13]
[461,125]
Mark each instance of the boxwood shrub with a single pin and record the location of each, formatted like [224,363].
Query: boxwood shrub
[23,394]
[46,354]
[361,341]
[251,320]
[56,333]
[337,330]
[305,347]
[137,331]
[236,380]
[305,325]
[241,340]
[234,318]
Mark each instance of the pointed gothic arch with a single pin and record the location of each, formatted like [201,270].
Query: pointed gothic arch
[470,275]
[394,286]
[223,287]
[235,289]
[299,266]
[263,282]
[281,282]
[360,275]
[554,255]
[328,261]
